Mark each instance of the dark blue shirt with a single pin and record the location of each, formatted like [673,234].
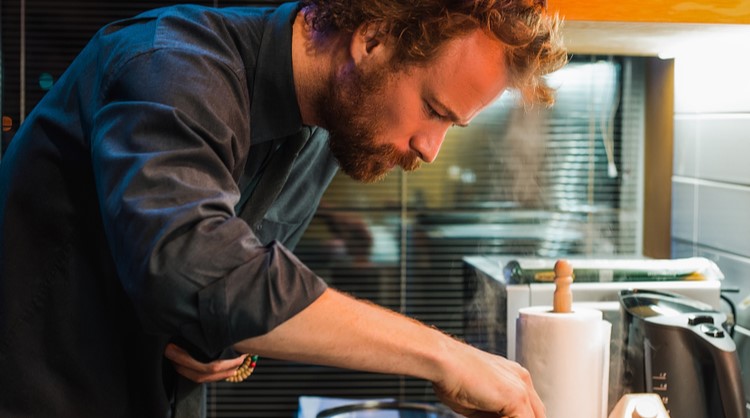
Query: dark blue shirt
[118,203]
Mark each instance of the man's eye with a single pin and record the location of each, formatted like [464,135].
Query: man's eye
[432,113]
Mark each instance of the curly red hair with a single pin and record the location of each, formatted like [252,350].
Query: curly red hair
[533,42]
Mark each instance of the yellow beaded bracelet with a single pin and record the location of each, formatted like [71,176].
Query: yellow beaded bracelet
[245,369]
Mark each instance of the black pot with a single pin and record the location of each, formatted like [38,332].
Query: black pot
[379,409]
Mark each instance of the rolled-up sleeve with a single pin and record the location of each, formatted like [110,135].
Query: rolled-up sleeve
[168,145]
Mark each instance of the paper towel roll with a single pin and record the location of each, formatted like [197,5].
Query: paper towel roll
[567,355]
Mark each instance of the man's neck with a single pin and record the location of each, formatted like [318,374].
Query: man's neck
[313,63]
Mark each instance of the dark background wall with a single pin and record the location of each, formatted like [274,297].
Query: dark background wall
[41,37]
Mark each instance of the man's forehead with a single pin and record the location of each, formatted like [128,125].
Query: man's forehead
[469,75]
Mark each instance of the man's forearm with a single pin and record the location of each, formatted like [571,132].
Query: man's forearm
[338,330]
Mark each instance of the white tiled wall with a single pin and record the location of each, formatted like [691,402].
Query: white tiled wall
[713,146]
[711,181]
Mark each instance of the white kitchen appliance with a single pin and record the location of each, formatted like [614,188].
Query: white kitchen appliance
[491,304]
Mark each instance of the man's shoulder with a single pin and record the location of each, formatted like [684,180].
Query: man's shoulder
[230,36]
[189,26]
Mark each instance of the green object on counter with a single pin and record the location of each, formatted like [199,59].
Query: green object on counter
[524,271]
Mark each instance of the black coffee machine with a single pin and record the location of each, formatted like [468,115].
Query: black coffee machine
[678,349]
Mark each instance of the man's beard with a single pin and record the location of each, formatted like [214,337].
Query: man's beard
[351,112]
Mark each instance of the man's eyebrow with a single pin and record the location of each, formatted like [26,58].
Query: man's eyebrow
[450,114]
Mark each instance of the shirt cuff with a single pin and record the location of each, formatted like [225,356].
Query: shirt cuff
[255,298]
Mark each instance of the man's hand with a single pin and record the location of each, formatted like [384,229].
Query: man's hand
[476,382]
[199,372]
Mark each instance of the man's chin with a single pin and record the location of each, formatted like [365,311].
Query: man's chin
[370,177]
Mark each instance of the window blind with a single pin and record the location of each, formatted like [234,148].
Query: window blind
[540,182]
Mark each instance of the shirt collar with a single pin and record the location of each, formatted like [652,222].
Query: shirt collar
[274,109]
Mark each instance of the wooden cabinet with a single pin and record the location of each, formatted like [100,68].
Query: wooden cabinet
[662,11]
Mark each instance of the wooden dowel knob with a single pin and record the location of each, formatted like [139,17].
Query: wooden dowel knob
[562,300]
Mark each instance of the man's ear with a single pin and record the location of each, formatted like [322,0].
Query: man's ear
[368,43]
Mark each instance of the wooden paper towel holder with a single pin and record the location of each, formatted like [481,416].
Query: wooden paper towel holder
[562,300]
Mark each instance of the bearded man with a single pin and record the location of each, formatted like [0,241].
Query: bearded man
[151,201]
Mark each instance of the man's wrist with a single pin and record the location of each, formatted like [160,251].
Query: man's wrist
[441,356]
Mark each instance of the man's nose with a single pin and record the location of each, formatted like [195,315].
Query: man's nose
[428,145]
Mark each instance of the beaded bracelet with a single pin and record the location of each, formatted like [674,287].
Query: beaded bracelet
[245,370]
